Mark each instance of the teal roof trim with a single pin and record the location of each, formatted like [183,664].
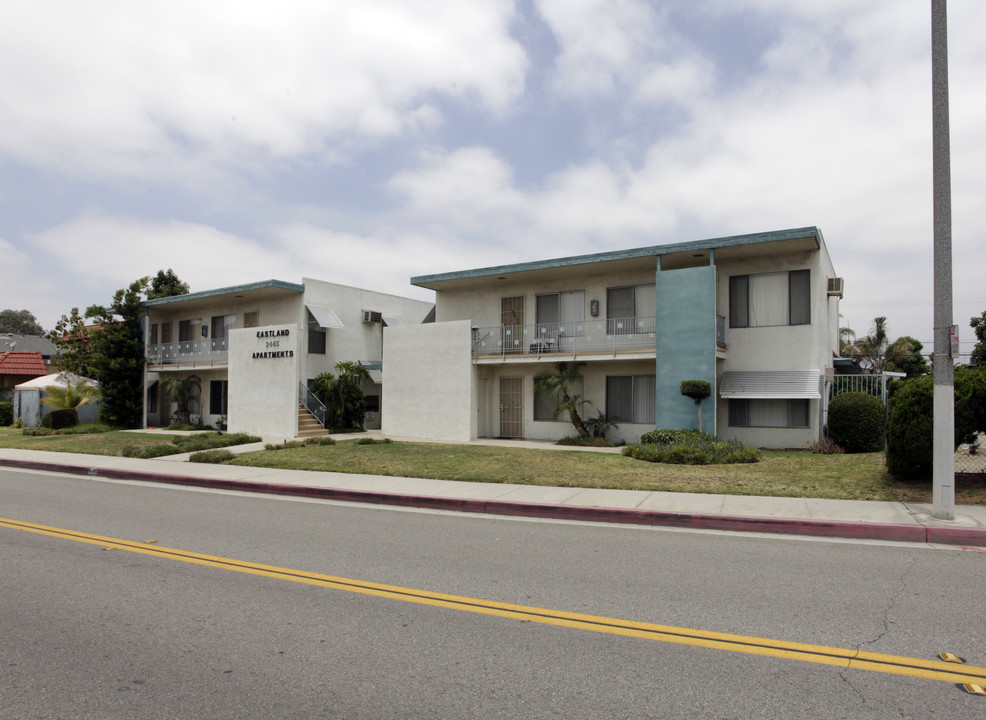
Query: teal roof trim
[294,287]
[653,251]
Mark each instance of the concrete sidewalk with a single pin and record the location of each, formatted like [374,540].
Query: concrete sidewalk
[799,516]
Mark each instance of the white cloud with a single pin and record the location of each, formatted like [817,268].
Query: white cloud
[123,87]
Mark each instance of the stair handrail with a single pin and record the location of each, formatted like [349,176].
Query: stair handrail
[311,402]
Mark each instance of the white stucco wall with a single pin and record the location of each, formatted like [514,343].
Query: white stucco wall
[429,386]
[357,341]
[263,380]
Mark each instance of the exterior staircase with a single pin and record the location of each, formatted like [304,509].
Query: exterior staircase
[308,426]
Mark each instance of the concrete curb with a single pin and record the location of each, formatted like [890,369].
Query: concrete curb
[967,536]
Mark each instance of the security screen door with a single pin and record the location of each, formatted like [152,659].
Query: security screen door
[511,407]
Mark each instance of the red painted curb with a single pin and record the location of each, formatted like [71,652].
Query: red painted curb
[974,537]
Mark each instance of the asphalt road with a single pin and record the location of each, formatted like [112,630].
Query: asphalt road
[91,632]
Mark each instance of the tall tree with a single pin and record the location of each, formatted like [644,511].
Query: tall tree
[118,354]
[904,355]
[71,335]
[978,324]
[19,322]
[166,284]
[559,385]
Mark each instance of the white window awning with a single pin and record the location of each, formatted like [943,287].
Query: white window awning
[325,317]
[767,384]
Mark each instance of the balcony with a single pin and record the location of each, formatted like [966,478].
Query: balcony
[599,337]
[189,353]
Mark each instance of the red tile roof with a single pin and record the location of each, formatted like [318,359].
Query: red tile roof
[22,363]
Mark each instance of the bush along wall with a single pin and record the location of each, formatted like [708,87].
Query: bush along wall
[910,433]
[6,413]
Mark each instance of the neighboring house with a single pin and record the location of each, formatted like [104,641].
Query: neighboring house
[50,353]
[17,367]
[754,315]
[253,348]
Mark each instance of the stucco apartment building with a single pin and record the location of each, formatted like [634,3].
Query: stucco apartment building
[253,348]
[754,315]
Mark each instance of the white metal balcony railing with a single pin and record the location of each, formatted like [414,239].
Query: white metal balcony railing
[189,352]
[602,335]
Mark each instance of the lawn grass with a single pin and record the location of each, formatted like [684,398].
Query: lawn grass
[109,443]
[780,473]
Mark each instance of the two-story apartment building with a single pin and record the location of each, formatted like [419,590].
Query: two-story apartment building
[756,316]
[251,349]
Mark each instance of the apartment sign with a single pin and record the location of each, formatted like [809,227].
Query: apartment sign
[269,342]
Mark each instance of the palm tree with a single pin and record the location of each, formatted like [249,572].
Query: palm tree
[71,398]
[558,385]
[872,349]
[183,391]
[351,374]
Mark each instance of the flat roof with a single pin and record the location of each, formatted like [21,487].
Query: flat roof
[811,232]
[251,288]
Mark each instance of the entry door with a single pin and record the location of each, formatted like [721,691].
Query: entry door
[511,407]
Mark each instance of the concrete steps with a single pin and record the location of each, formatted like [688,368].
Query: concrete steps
[308,426]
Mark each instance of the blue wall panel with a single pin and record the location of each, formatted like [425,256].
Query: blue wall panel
[686,344]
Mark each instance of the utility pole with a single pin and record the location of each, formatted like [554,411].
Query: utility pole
[944,396]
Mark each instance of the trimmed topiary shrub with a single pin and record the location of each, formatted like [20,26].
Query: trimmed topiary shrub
[59,419]
[910,433]
[6,413]
[857,422]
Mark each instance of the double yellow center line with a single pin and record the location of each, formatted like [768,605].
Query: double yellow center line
[839,657]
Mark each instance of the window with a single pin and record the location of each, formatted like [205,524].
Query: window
[152,394]
[630,309]
[218,397]
[373,403]
[316,336]
[770,299]
[221,325]
[768,413]
[631,398]
[165,333]
[251,319]
[545,404]
[184,331]
[152,335]
[560,314]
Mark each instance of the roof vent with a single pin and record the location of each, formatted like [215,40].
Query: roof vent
[835,286]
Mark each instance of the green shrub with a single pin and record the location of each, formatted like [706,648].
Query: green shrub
[211,456]
[586,442]
[146,452]
[285,445]
[320,440]
[372,441]
[663,436]
[210,441]
[38,431]
[58,419]
[696,389]
[189,426]
[910,433]
[702,450]
[857,422]
[6,413]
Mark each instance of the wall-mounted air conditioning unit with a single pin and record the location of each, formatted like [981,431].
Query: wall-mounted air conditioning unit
[370,316]
[835,286]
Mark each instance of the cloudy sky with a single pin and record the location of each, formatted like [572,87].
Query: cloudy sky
[366,142]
